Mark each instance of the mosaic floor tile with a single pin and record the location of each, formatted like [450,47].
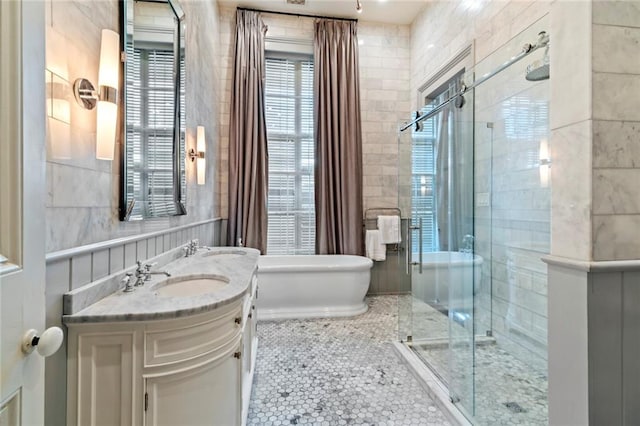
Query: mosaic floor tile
[507,389]
[337,372]
[344,371]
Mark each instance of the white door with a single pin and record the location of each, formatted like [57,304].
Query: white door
[22,201]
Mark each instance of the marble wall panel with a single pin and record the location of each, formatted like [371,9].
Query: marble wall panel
[571,200]
[615,237]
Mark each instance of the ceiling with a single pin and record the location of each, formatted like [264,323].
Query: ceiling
[388,11]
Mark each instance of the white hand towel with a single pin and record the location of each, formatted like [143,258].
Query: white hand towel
[374,248]
[389,227]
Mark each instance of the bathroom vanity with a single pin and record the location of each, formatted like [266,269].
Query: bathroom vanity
[178,350]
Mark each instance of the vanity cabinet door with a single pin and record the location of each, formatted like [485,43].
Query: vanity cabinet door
[101,391]
[205,395]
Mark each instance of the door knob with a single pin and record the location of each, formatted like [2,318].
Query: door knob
[46,344]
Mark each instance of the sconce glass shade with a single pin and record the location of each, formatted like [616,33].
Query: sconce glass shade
[109,74]
[108,83]
[200,160]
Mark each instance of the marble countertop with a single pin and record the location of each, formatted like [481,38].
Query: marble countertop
[146,304]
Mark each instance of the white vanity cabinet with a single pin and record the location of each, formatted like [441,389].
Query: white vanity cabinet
[193,370]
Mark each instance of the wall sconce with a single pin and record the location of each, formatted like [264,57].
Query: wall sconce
[106,98]
[545,163]
[198,154]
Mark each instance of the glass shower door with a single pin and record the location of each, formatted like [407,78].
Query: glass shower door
[440,199]
[458,201]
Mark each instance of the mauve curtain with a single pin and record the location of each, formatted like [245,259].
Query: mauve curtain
[338,169]
[248,158]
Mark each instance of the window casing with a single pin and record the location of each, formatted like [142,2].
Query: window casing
[290,134]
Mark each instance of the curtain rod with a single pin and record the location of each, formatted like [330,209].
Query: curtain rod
[302,15]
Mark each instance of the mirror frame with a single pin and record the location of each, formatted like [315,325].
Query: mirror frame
[179,155]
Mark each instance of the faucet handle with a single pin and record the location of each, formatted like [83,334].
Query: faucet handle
[148,266]
[128,287]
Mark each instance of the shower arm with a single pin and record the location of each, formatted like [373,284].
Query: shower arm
[527,49]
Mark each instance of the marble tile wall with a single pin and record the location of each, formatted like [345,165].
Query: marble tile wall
[82,203]
[616,130]
[384,97]
[570,117]
[385,102]
[443,29]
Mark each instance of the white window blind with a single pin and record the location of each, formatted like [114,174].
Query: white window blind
[289,116]
[422,185]
[150,118]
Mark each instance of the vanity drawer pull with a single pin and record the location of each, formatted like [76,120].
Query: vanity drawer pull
[237,354]
[238,320]
[249,315]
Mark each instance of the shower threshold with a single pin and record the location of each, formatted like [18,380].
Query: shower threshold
[444,342]
[431,383]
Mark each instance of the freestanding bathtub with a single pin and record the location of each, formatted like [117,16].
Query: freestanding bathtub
[309,286]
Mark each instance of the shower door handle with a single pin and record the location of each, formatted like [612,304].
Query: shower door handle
[420,244]
[410,250]
[407,252]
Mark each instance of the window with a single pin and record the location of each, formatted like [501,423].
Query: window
[423,169]
[423,204]
[289,116]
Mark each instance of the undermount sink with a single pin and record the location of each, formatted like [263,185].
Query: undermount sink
[226,253]
[192,285]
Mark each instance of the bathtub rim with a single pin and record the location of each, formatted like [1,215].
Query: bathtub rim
[357,263]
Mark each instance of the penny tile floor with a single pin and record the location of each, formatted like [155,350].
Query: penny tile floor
[337,372]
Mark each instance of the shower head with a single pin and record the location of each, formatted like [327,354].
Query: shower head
[538,70]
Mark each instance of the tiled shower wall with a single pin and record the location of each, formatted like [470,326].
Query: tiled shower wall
[512,226]
[384,97]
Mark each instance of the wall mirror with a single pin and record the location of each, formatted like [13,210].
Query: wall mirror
[153,153]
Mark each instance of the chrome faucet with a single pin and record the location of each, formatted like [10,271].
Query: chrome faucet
[140,275]
[467,244]
[191,248]
[143,273]
[148,272]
